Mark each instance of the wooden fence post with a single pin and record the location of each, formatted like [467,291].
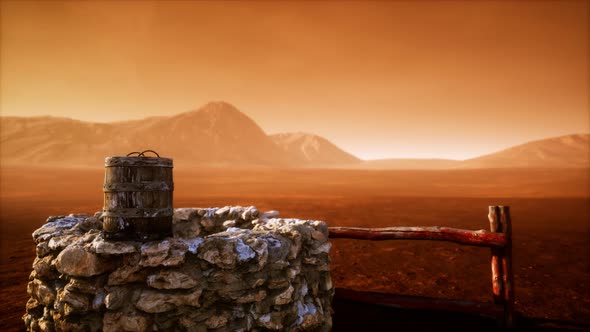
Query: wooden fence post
[496,260]
[499,239]
[507,272]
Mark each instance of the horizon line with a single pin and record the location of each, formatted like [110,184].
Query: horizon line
[362,159]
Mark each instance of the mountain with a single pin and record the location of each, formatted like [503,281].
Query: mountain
[569,151]
[215,134]
[558,152]
[218,134]
[50,140]
[309,149]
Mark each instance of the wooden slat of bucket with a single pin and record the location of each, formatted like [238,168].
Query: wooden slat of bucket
[137,162]
[138,212]
[137,199]
[137,174]
[137,228]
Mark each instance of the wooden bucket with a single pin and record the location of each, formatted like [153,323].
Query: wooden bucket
[138,197]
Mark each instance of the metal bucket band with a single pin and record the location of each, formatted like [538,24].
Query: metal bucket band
[146,186]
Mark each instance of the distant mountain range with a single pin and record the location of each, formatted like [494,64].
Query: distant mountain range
[564,151]
[570,151]
[218,134]
[313,149]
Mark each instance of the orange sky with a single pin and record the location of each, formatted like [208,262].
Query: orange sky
[381,79]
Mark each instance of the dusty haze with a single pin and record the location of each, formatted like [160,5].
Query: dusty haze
[419,79]
[219,134]
[321,110]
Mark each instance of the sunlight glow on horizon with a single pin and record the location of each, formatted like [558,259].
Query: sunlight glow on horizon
[477,78]
[426,149]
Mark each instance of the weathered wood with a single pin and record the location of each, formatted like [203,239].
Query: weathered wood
[136,174]
[499,239]
[474,238]
[419,302]
[137,197]
[507,272]
[138,213]
[137,162]
[496,259]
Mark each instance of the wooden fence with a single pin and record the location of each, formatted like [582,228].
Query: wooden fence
[498,239]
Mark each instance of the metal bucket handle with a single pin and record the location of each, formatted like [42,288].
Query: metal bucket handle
[142,153]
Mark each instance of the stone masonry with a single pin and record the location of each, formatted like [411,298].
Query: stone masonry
[224,269]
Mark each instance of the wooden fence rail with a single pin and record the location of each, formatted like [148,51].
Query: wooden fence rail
[474,238]
[499,239]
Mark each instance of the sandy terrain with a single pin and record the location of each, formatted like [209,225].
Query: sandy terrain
[551,213]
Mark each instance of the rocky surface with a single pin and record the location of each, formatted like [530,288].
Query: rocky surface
[224,269]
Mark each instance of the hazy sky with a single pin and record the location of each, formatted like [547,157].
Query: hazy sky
[444,79]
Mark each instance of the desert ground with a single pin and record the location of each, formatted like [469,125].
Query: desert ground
[550,211]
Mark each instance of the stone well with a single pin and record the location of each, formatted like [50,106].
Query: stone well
[226,269]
